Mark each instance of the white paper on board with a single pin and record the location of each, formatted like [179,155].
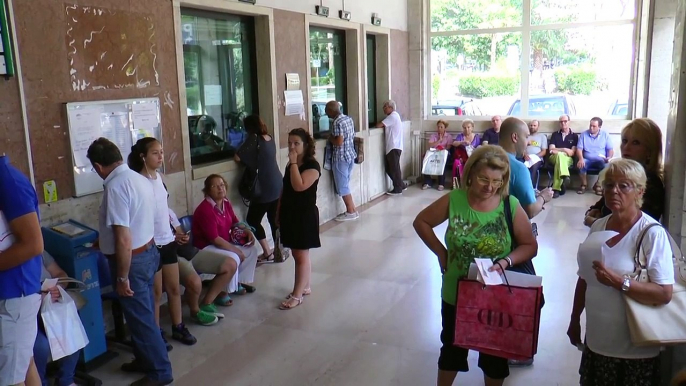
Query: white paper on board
[295,103]
[144,117]
[85,128]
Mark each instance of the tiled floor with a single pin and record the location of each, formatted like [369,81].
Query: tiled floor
[374,316]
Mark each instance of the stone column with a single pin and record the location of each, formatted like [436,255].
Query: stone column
[674,358]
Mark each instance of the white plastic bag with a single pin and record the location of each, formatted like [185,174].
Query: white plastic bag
[434,162]
[63,326]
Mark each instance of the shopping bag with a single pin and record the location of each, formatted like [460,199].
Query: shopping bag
[499,320]
[63,326]
[434,162]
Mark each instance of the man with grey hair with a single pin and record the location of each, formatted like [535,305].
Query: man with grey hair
[393,127]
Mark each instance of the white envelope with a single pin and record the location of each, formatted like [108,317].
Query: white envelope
[514,278]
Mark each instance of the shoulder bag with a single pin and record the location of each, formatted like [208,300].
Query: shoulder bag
[526,267]
[249,186]
[658,325]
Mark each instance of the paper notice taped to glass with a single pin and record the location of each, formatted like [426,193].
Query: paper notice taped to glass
[295,104]
[145,116]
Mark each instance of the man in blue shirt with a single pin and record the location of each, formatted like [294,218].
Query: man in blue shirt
[343,158]
[513,138]
[593,151]
[21,245]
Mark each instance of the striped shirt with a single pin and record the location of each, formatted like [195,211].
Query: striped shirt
[343,126]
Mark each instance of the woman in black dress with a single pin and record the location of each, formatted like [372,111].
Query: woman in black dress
[298,212]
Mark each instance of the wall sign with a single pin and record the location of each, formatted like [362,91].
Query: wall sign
[6,62]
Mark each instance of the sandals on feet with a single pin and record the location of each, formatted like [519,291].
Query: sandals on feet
[289,305]
[306,292]
[224,301]
[249,288]
[582,189]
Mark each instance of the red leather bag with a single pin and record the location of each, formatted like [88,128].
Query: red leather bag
[499,320]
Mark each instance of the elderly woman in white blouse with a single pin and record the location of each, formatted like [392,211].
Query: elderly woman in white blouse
[605,262]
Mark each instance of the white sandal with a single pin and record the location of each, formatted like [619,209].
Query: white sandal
[286,305]
[306,292]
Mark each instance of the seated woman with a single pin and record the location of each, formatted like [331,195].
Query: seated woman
[41,349]
[641,142]
[213,222]
[609,357]
[440,140]
[464,144]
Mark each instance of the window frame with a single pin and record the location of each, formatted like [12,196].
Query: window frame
[526,28]
[253,95]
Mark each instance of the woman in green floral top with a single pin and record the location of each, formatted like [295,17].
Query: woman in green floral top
[476,229]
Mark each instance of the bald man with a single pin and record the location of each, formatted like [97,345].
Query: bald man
[538,147]
[343,158]
[562,148]
[513,137]
[491,136]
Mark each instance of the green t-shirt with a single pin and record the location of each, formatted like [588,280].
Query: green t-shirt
[472,234]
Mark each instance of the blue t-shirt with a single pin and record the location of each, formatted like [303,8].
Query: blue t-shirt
[17,198]
[520,182]
[593,147]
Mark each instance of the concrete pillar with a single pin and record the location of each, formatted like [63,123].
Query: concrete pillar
[674,358]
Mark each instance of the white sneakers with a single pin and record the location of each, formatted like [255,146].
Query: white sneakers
[345,216]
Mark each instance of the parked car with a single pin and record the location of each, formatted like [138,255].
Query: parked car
[467,107]
[549,105]
[618,108]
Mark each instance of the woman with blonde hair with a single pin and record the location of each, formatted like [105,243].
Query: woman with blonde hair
[464,144]
[441,141]
[641,142]
[605,264]
[476,229]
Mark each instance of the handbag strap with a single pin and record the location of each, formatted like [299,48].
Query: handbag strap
[81,286]
[510,224]
[640,260]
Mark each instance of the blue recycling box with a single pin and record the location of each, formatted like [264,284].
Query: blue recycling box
[70,244]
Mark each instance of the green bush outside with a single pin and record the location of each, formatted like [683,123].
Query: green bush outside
[487,85]
[576,80]
[323,81]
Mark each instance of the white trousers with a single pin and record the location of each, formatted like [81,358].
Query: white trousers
[213,256]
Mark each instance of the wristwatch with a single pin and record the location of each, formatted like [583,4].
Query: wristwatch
[122,279]
[626,284]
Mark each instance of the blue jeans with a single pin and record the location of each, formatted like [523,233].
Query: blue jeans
[148,345]
[341,176]
[41,355]
[592,164]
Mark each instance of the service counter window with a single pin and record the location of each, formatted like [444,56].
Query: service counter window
[328,72]
[221,85]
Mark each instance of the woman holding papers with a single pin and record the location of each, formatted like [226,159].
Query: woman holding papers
[606,259]
[477,228]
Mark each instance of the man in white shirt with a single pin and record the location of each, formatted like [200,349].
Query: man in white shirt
[393,127]
[126,237]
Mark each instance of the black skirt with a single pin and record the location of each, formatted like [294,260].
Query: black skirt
[599,370]
[300,230]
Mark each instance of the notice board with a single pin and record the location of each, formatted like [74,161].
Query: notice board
[121,121]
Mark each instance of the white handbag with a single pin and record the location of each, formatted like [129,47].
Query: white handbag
[662,325]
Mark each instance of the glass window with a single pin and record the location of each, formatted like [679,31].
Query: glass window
[371,80]
[475,74]
[328,71]
[580,57]
[221,84]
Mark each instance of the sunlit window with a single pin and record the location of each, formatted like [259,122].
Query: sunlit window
[578,57]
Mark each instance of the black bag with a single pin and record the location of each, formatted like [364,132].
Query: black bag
[526,267]
[249,186]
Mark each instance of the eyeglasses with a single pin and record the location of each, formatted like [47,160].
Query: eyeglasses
[624,187]
[485,182]
[222,185]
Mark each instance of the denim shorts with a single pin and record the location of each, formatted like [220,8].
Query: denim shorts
[342,170]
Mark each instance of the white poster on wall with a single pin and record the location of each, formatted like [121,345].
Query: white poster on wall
[213,95]
[295,103]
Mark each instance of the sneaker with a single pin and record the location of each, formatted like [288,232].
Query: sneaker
[182,334]
[425,186]
[393,193]
[405,186]
[523,363]
[135,366]
[204,318]
[211,309]
[348,216]
[164,338]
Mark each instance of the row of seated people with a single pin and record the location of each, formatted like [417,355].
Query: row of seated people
[592,150]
